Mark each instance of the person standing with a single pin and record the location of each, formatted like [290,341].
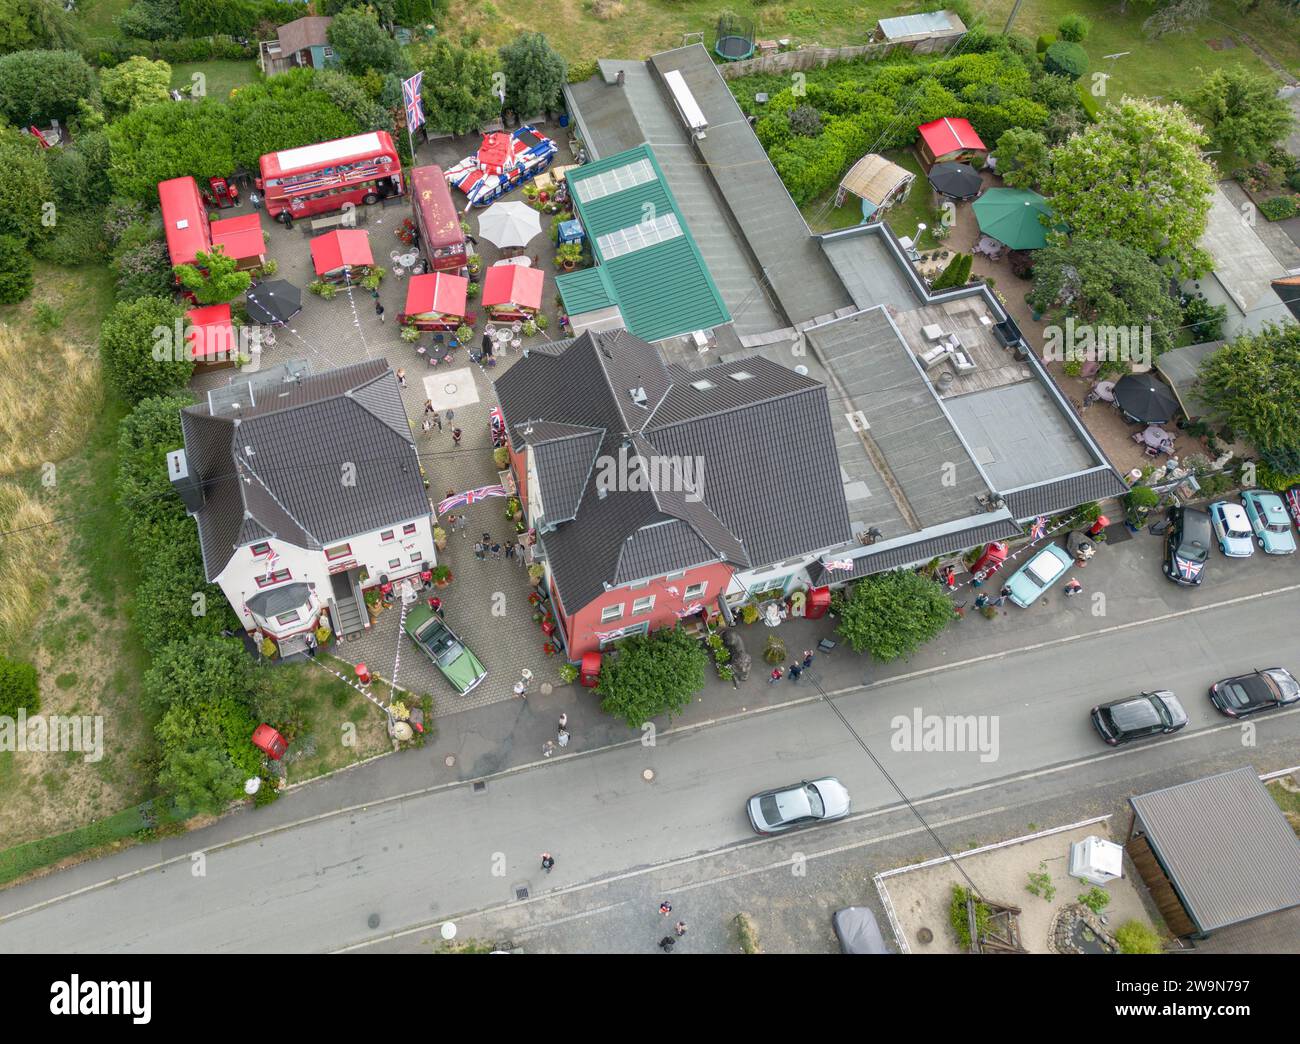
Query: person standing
[455,436]
[401,377]
[564,721]
[311,644]
[379,310]
[680,928]
[665,908]
[496,552]
[795,671]
[256,200]
[807,659]
[429,407]
[548,861]
[510,549]
[776,675]
[981,600]
[562,736]
[1072,587]
[478,550]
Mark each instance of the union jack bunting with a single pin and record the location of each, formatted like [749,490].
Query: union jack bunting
[1039,529]
[471,496]
[608,636]
[839,563]
[688,610]
[412,100]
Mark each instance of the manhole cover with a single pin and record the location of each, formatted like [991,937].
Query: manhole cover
[547,688]
[924,935]
[648,775]
[521,893]
[373,920]
[479,787]
[449,760]
[450,387]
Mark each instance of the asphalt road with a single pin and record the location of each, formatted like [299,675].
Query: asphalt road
[316,885]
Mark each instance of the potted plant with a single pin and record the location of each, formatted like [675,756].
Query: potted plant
[323,289]
[541,321]
[473,289]
[269,649]
[513,509]
[530,191]
[549,648]
[372,279]
[464,227]
[464,333]
[410,334]
[534,598]
[535,574]
[269,267]
[774,651]
[568,255]
[501,458]
[474,264]
[749,613]
[530,328]
[441,575]
[568,673]
[521,526]
[440,538]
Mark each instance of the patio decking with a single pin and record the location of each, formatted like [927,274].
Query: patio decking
[995,366]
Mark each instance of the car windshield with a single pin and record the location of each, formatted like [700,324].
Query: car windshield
[449,652]
[1277,527]
[1193,550]
[815,801]
[771,813]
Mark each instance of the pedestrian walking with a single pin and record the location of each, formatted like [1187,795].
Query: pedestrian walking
[665,908]
[311,645]
[435,603]
[487,344]
[795,671]
[548,748]
[460,521]
[1072,587]
[478,550]
[807,659]
[256,200]
[455,436]
[496,552]
[981,601]
[548,861]
[401,377]
[429,407]
[562,737]
[564,721]
[510,549]
[379,310]
[776,675]
[521,690]
[426,426]
[680,928]
[666,943]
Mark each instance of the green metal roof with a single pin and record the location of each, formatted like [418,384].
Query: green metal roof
[662,289]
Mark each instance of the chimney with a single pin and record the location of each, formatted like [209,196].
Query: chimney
[186,484]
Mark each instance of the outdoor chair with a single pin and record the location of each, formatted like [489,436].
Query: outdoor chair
[934,355]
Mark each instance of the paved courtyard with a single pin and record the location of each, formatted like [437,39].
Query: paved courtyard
[486,602]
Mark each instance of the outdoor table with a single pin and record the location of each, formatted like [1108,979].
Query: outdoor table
[503,337]
[1105,390]
[1156,436]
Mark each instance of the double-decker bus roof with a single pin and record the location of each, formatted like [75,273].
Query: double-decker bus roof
[309,157]
[433,198]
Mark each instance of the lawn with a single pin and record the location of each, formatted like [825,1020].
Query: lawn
[220,78]
[97,16]
[823,216]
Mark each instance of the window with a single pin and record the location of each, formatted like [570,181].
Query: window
[639,584]
[292,616]
[279,576]
[702,385]
[408,529]
[611,612]
[394,563]
[338,551]
[643,605]
[387,534]
[638,237]
[608,182]
[261,549]
[417,558]
[696,591]
[741,375]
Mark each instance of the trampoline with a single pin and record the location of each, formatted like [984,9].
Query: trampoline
[735,40]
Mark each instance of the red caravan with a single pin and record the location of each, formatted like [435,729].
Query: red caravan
[328,176]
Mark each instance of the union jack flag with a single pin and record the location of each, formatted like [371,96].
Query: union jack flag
[609,636]
[689,610]
[1039,529]
[1190,570]
[471,496]
[414,103]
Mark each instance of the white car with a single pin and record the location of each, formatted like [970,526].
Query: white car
[1232,529]
[799,804]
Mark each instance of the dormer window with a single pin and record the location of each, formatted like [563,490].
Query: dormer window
[741,375]
[702,385]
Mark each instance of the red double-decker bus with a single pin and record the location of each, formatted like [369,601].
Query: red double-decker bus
[316,179]
[436,220]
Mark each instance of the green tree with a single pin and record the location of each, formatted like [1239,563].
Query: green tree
[650,675]
[891,615]
[16,279]
[1074,28]
[139,350]
[15,33]
[1064,58]
[151,19]
[457,90]
[19,687]
[1105,283]
[1240,110]
[1022,157]
[535,73]
[39,86]
[136,82]
[385,10]
[144,438]
[36,23]
[362,44]
[1253,384]
[214,279]
[200,778]
[199,670]
[158,142]
[1136,176]
[955,273]
[25,190]
[78,173]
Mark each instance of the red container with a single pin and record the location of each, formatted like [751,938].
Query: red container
[363,674]
[819,603]
[548,627]
[269,742]
[589,672]
[990,560]
[1101,523]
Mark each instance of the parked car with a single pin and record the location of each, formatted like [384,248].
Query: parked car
[1139,717]
[799,804]
[857,930]
[1292,499]
[438,642]
[1257,691]
[1232,528]
[1038,574]
[1187,545]
[1269,520]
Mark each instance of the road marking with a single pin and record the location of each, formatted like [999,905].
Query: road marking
[697,726]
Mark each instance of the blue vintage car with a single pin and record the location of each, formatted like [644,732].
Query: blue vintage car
[1038,574]
[1232,529]
[1268,518]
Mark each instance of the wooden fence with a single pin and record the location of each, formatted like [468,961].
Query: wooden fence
[803,58]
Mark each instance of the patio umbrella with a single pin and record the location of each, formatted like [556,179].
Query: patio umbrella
[511,224]
[1145,399]
[956,180]
[273,303]
[1011,217]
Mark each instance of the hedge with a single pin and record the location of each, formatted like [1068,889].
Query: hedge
[106,52]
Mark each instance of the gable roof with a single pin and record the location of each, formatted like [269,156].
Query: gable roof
[302,33]
[274,466]
[652,269]
[743,453]
[947,134]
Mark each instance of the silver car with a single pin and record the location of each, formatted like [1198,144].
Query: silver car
[1232,529]
[799,804]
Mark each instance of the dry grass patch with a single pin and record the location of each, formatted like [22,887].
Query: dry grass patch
[50,392]
[27,557]
[607,10]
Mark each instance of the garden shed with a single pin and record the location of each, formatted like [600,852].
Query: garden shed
[878,182]
[950,139]
[923,33]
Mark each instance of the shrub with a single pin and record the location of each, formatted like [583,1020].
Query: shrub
[77,239]
[19,687]
[1074,28]
[1137,937]
[1204,320]
[746,934]
[1066,59]
[960,919]
[568,673]
[1040,884]
[1095,899]
[143,271]
[806,121]
[16,280]
[1293,181]
[1044,42]
[1279,208]
[127,341]
[580,72]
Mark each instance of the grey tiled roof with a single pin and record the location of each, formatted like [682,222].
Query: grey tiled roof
[564,464]
[283,467]
[921,551]
[1048,498]
[769,474]
[278,599]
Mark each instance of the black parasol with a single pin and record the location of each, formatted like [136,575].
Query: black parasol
[1144,399]
[955,180]
[273,303]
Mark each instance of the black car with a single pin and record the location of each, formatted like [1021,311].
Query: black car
[1187,545]
[1260,690]
[1139,717]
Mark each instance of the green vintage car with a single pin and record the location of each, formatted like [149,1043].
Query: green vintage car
[458,665]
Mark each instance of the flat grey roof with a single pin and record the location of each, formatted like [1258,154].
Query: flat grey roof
[1180,366]
[1225,845]
[774,229]
[613,119]
[1018,435]
[868,271]
[921,450]
[920,24]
